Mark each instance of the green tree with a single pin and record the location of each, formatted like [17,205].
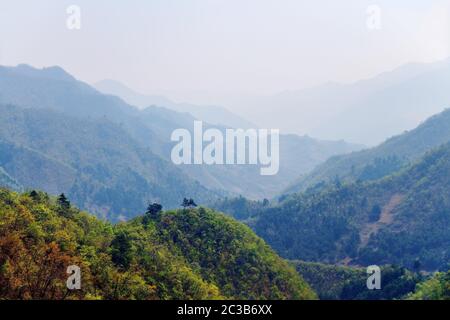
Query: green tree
[191,203]
[153,210]
[34,195]
[185,203]
[121,250]
[63,202]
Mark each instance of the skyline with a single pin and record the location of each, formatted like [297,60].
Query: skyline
[177,50]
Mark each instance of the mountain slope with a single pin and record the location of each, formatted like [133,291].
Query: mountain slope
[7,181]
[380,161]
[349,283]
[170,256]
[151,128]
[298,154]
[435,288]
[95,162]
[400,219]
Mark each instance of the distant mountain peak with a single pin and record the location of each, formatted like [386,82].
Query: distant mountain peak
[52,72]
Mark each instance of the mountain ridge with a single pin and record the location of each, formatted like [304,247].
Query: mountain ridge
[151,128]
[397,152]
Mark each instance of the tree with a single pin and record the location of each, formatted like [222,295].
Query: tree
[191,203]
[121,253]
[265,202]
[185,203]
[34,195]
[153,209]
[63,202]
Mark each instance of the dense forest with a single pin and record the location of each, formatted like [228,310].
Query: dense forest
[401,219]
[94,161]
[435,288]
[191,253]
[388,205]
[333,282]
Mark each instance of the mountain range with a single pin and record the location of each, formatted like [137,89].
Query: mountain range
[386,205]
[60,135]
[367,111]
[298,154]
[382,160]
[215,115]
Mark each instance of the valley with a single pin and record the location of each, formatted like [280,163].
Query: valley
[333,207]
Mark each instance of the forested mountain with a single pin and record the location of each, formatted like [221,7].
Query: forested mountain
[184,254]
[298,154]
[402,219]
[52,89]
[94,161]
[333,282]
[375,163]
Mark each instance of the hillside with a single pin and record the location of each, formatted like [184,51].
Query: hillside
[349,283]
[403,219]
[435,288]
[7,181]
[387,158]
[184,254]
[53,89]
[94,161]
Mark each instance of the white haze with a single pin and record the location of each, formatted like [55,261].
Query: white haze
[230,53]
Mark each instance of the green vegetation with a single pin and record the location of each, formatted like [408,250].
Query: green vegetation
[435,288]
[241,208]
[403,219]
[349,283]
[109,157]
[95,162]
[180,254]
[381,161]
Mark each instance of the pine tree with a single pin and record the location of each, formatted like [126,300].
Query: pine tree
[34,195]
[185,203]
[63,202]
[191,203]
[153,210]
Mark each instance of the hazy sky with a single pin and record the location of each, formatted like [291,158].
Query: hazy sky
[206,51]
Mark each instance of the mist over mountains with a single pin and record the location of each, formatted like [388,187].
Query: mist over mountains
[366,111]
[237,152]
[384,205]
[337,204]
[214,115]
[61,135]
[375,163]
